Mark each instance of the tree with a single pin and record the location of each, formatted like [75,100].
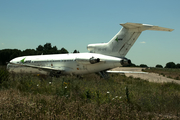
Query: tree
[63,51]
[40,48]
[8,54]
[28,52]
[75,51]
[15,53]
[159,66]
[47,46]
[178,65]
[170,65]
[54,50]
[47,49]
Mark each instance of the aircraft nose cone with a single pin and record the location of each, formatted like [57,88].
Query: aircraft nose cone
[11,61]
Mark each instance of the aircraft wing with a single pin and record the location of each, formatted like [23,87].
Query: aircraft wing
[42,67]
[109,71]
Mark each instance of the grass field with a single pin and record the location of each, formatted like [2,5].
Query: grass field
[167,72]
[27,96]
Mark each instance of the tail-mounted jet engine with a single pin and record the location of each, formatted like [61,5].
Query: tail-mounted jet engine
[125,62]
[92,60]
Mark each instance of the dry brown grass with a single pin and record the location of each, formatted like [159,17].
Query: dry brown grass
[14,105]
[21,98]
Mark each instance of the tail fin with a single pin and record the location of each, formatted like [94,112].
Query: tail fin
[121,43]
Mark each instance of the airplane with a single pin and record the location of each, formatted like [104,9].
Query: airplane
[102,57]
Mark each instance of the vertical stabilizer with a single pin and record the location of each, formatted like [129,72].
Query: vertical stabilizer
[121,43]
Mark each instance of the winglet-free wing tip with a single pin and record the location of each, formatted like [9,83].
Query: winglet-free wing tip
[171,30]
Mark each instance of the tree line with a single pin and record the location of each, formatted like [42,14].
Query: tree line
[168,65]
[8,54]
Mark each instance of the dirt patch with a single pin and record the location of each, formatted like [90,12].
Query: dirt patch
[151,77]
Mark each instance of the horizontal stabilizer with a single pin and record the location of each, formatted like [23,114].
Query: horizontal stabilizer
[145,27]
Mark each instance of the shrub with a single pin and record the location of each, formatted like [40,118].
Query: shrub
[159,66]
[170,65]
[143,65]
[4,75]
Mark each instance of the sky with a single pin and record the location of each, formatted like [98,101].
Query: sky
[73,24]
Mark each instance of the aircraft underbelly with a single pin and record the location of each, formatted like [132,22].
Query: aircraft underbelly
[101,67]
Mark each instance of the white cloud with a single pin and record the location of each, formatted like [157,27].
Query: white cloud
[2,43]
[143,42]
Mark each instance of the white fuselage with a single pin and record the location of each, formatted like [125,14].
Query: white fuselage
[77,63]
[103,56]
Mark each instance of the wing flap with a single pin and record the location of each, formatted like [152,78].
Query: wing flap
[42,67]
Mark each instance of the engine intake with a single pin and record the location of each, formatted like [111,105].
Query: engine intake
[125,62]
[91,60]
[94,60]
